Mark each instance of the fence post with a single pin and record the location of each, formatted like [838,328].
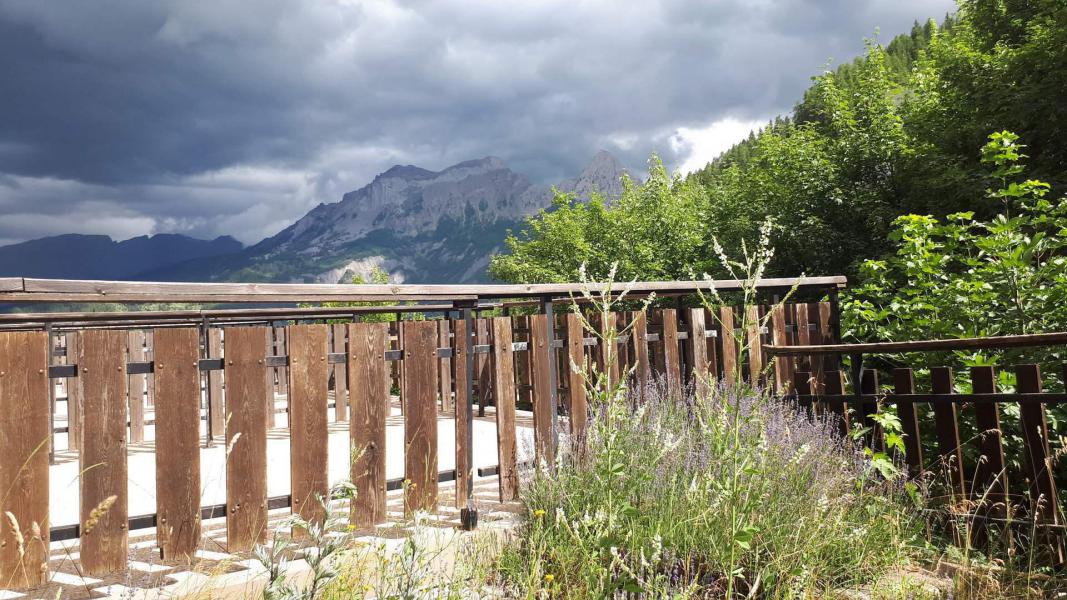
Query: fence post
[24,433]
[469,514]
[553,379]
[1039,458]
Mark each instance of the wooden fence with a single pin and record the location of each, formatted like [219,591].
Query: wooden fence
[220,378]
[982,488]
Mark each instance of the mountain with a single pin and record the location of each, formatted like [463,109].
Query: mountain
[75,256]
[419,225]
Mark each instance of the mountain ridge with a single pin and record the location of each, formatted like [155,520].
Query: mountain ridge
[88,256]
[417,224]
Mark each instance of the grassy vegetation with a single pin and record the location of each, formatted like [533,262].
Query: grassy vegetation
[732,493]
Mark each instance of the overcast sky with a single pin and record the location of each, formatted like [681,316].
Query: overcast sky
[128,117]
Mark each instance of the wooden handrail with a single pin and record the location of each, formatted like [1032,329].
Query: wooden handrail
[16,289]
[1001,341]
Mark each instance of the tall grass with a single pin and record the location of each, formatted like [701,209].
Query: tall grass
[650,504]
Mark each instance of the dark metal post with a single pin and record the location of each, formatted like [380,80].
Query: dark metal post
[206,379]
[553,377]
[469,515]
[51,399]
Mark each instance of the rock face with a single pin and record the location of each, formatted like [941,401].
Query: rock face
[419,225]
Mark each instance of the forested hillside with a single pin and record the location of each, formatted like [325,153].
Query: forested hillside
[898,131]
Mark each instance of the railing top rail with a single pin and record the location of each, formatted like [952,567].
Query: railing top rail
[233,315]
[992,342]
[26,289]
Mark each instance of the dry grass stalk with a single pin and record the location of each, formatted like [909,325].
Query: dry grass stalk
[98,513]
[16,531]
[233,441]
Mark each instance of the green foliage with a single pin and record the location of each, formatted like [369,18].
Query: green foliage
[892,133]
[729,494]
[378,276]
[655,230]
[964,277]
[720,491]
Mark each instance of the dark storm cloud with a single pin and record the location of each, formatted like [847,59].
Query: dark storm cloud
[235,117]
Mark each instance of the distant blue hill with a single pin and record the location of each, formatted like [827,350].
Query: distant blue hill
[76,256]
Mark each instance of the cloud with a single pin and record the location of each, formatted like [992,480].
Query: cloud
[237,116]
[699,146]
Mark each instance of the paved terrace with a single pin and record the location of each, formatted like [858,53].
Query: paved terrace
[64,501]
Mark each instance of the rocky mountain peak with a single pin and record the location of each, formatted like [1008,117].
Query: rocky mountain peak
[603,175]
[409,172]
[418,224]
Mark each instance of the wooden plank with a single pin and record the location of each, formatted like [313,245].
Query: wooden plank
[577,371]
[504,395]
[271,374]
[731,370]
[698,350]
[802,384]
[177,383]
[1038,459]
[711,345]
[783,365]
[246,436]
[340,373]
[754,345]
[524,361]
[835,385]
[672,358]
[639,334]
[25,429]
[655,350]
[149,355]
[623,321]
[483,371]
[802,320]
[281,348]
[74,394]
[118,291]
[904,383]
[463,413]
[138,385]
[369,380]
[541,382]
[214,384]
[993,342]
[868,408]
[608,354]
[948,433]
[419,389]
[11,284]
[989,488]
[308,375]
[990,479]
[444,366]
[826,336]
[103,479]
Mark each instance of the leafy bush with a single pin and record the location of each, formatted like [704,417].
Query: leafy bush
[968,278]
[733,493]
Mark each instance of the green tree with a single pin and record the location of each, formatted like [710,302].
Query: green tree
[655,230]
[378,276]
[964,277]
